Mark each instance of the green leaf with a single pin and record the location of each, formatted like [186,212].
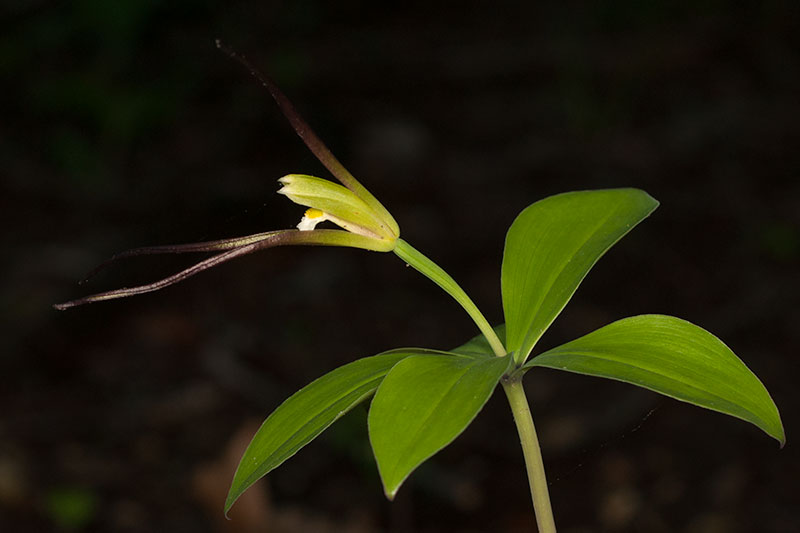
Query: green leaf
[308,412]
[550,248]
[478,345]
[675,358]
[424,403]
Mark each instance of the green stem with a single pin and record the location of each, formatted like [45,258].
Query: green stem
[532,453]
[421,263]
[512,386]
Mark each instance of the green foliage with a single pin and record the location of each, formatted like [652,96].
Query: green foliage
[307,413]
[424,403]
[550,248]
[425,398]
[478,345]
[675,358]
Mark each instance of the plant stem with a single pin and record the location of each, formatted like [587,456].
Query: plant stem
[434,272]
[512,385]
[533,454]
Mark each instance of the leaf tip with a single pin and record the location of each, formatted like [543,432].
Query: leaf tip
[229,501]
[776,431]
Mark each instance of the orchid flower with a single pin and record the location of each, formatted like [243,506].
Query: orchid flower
[364,221]
[422,399]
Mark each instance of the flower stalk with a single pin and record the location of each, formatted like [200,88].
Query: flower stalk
[365,223]
[435,273]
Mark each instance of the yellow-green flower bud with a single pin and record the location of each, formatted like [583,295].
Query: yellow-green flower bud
[338,204]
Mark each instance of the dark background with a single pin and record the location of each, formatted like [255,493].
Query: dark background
[123,126]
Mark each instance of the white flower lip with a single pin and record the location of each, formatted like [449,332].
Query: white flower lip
[311,218]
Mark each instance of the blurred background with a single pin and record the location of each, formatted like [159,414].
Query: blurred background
[122,126]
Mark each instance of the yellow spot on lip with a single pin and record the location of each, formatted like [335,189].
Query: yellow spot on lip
[311,218]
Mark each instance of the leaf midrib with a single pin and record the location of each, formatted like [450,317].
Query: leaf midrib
[693,384]
[552,282]
[430,411]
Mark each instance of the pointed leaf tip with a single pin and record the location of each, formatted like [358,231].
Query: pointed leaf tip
[551,246]
[307,413]
[422,405]
[673,357]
